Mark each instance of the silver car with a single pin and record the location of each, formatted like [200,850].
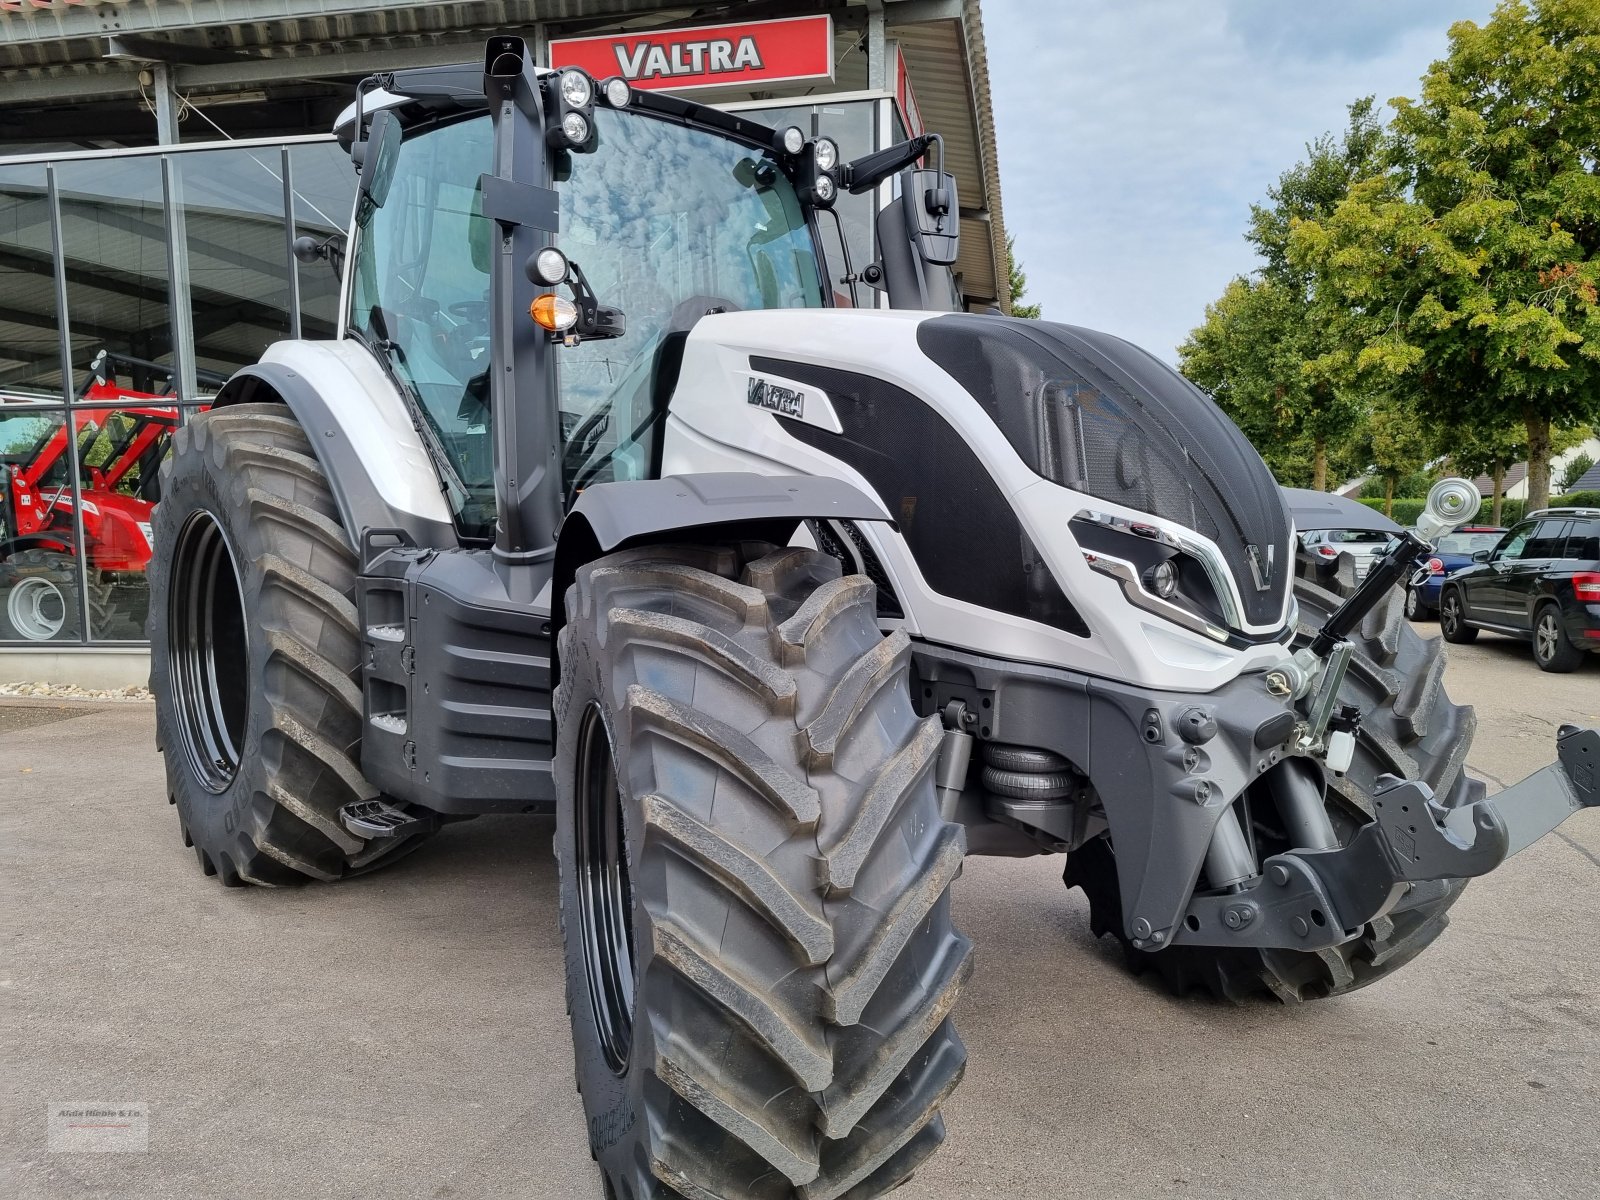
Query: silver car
[1363,545]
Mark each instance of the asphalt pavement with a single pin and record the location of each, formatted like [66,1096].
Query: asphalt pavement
[404,1035]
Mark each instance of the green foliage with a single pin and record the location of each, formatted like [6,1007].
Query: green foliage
[1468,269]
[1019,284]
[1575,470]
[1259,344]
[1589,499]
[1405,512]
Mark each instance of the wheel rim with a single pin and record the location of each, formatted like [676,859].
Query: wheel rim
[1412,603]
[209,652]
[1546,638]
[37,609]
[1450,615]
[605,894]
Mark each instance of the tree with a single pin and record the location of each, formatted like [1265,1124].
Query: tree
[1259,348]
[1019,284]
[1487,450]
[1397,444]
[1575,470]
[1466,272]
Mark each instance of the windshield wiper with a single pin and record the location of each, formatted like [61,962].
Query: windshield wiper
[389,353]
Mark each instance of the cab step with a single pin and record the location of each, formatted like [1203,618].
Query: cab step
[380,819]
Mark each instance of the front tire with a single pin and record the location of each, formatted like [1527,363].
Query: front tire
[1416,610]
[1552,649]
[754,880]
[1409,728]
[255,653]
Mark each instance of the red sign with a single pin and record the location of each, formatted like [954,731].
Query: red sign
[904,97]
[751,53]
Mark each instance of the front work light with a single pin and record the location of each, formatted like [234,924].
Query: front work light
[617,91]
[794,140]
[550,267]
[555,313]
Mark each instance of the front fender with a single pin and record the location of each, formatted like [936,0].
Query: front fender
[711,507]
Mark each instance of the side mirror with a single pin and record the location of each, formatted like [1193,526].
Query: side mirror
[1481,555]
[933,217]
[379,155]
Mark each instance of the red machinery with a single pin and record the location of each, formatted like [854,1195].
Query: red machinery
[126,440]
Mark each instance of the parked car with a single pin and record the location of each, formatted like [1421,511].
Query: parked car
[1363,546]
[1450,553]
[1540,582]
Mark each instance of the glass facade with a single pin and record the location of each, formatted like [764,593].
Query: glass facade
[113,262]
[110,263]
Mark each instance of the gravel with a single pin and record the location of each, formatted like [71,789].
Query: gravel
[69,691]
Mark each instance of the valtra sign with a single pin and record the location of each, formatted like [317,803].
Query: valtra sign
[748,54]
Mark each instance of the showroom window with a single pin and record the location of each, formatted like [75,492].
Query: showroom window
[109,263]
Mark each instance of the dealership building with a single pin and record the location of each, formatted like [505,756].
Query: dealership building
[158,159]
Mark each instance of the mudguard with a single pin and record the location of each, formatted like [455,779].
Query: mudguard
[697,508]
[364,436]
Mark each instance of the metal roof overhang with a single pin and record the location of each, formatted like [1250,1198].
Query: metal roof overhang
[59,55]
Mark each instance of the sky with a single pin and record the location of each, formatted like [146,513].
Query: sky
[1135,134]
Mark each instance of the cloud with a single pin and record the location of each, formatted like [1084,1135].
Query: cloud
[1134,136]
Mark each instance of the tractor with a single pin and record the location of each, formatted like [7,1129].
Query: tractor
[598,506]
[120,444]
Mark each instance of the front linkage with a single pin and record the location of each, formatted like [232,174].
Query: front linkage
[1312,898]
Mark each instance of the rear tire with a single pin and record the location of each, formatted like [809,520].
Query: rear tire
[1552,650]
[1409,728]
[1416,610]
[754,880]
[255,654]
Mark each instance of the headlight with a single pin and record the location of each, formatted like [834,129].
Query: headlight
[575,128]
[824,190]
[576,90]
[1163,578]
[827,154]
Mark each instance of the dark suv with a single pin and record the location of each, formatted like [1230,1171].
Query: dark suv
[1541,582]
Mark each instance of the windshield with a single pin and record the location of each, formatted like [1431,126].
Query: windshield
[667,221]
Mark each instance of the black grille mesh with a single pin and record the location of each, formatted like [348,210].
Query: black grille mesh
[1097,414]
